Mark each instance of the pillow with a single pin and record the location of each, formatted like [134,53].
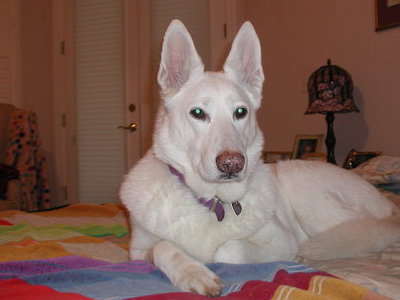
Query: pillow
[383,169]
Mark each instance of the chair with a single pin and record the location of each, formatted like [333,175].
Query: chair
[10,185]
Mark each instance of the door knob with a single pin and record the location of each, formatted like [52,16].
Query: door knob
[131,127]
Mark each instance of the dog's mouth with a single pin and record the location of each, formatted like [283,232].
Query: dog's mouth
[228,176]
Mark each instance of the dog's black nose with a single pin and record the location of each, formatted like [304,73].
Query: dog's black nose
[230,162]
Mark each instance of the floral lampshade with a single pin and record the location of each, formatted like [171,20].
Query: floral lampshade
[330,89]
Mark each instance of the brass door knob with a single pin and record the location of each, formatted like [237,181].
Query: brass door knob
[131,127]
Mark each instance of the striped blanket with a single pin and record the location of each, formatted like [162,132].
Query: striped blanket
[81,252]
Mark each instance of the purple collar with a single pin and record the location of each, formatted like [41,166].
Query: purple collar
[215,204]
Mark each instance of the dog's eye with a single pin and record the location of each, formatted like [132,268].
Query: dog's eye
[198,113]
[240,113]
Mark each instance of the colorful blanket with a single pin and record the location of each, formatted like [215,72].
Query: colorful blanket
[73,277]
[81,252]
[95,231]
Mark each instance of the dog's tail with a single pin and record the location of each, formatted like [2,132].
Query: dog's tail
[352,238]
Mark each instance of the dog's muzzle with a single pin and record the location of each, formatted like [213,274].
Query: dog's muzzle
[230,163]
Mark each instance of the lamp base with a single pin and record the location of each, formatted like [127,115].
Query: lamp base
[330,139]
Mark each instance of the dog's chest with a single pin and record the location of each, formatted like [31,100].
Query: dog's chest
[196,229]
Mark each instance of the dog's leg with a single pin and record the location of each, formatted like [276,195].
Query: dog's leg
[239,252]
[271,242]
[185,272]
[352,238]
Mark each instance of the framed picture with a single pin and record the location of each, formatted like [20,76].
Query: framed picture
[304,144]
[315,156]
[274,156]
[387,13]
[355,158]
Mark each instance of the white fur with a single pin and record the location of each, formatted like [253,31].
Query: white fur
[296,208]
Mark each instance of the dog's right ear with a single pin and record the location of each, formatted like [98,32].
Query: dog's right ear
[179,59]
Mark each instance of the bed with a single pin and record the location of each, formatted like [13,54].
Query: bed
[81,252]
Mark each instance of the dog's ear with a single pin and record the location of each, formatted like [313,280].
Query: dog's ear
[244,61]
[179,59]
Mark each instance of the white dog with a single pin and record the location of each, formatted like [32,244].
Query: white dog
[202,194]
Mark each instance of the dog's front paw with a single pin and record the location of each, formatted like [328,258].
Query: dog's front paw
[197,278]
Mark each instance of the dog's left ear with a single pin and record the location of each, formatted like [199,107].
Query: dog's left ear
[244,61]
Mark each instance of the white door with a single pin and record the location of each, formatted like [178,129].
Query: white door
[116,56]
[106,104]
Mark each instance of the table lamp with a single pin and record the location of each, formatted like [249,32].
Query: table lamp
[330,91]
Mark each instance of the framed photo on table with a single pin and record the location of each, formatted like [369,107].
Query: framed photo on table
[318,156]
[271,157]
[304,144]
[387,14]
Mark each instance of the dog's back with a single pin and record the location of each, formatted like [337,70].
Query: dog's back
[323,195]
[342,214]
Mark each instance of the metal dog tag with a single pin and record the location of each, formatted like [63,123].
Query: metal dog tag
[237,208]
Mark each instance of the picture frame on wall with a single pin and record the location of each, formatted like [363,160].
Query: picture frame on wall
[271,157]
[304,144]
[387,14]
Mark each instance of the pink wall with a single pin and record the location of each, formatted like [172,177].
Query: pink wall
[36,69]
[297,37]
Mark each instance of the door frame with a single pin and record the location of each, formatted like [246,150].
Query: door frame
[137,81]
[65,185]
[65,151]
